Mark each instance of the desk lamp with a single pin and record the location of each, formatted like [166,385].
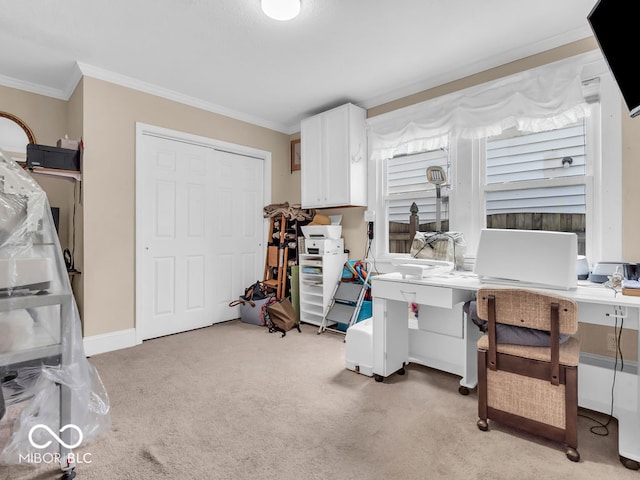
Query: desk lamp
[436,175]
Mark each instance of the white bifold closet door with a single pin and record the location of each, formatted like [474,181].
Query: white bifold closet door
[201,227]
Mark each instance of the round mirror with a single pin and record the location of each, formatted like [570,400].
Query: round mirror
[14,136]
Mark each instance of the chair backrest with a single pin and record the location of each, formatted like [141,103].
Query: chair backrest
[528,308]
[273,256]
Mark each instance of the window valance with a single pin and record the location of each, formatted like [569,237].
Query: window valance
[535,100]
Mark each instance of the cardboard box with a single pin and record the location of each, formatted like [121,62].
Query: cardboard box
[66,143]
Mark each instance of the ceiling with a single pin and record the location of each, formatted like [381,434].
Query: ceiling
[226,56]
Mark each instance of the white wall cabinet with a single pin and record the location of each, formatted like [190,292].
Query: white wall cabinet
[334,158]
[319,277]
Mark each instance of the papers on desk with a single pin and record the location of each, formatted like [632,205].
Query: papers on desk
[421,268]
[631,287]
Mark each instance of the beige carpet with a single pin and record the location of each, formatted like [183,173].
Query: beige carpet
[234,402]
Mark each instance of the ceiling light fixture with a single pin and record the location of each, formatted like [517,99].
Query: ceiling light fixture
[281,9]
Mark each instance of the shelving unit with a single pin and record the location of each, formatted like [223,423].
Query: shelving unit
[56,172]
[275,269]
[319,277]
[42,343]
[282,253]
[45,346]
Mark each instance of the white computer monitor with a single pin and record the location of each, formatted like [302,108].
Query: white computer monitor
[527,258]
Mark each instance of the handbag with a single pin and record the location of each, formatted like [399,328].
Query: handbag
[252,303]
[282,316]
[251,310]
[257,291]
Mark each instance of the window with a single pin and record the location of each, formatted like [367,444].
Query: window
[406,185]
[538,181]
[516,179]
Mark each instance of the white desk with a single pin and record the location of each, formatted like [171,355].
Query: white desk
[444,339]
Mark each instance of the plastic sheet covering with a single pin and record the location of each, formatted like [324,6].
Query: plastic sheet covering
[445,246]
[40,333]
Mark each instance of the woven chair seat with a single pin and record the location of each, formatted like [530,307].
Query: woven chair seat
[569,351]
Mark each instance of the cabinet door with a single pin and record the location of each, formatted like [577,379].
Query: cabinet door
[335,156]
[333,168]
[312,192]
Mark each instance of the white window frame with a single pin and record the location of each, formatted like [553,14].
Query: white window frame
[428,193]
[467,200]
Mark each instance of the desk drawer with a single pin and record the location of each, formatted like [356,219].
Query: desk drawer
[444,297]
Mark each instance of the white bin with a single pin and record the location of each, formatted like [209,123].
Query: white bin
[358,354]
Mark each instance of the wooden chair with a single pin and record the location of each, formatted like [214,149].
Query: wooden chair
[532,388]
[275,268]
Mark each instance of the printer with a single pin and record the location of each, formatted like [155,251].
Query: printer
[323,239]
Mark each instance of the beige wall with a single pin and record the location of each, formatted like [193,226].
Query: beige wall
[630,188]
[47,117]
[49,120]
[110,116]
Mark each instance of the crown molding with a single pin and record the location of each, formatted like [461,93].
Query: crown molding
[33,88]
[84,69]
[134,84]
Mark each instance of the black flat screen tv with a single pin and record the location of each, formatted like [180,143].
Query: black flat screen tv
[609,20]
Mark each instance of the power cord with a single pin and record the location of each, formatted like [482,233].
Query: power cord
[595,429]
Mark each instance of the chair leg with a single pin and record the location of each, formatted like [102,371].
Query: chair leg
[571,412]
[482,391]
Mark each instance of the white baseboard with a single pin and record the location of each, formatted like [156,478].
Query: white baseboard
[108,342]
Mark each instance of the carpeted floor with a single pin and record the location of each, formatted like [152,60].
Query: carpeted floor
[234,402]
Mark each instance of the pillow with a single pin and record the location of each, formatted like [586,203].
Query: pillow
[512,333]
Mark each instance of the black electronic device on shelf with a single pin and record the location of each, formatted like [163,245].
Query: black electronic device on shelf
[53,157]
[612,25]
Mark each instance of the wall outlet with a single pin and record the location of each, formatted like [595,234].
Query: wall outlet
[612,342]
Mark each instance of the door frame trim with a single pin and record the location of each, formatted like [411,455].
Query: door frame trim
[143,129]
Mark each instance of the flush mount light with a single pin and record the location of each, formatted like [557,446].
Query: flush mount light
[281,9]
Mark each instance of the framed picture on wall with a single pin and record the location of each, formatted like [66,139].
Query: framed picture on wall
[295,155]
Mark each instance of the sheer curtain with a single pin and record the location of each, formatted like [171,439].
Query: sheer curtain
[535,100]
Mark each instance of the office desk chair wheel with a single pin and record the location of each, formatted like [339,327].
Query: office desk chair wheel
[68,475]
[462,390]
[630,464]
[573,455]
[379,378]
[482,425]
